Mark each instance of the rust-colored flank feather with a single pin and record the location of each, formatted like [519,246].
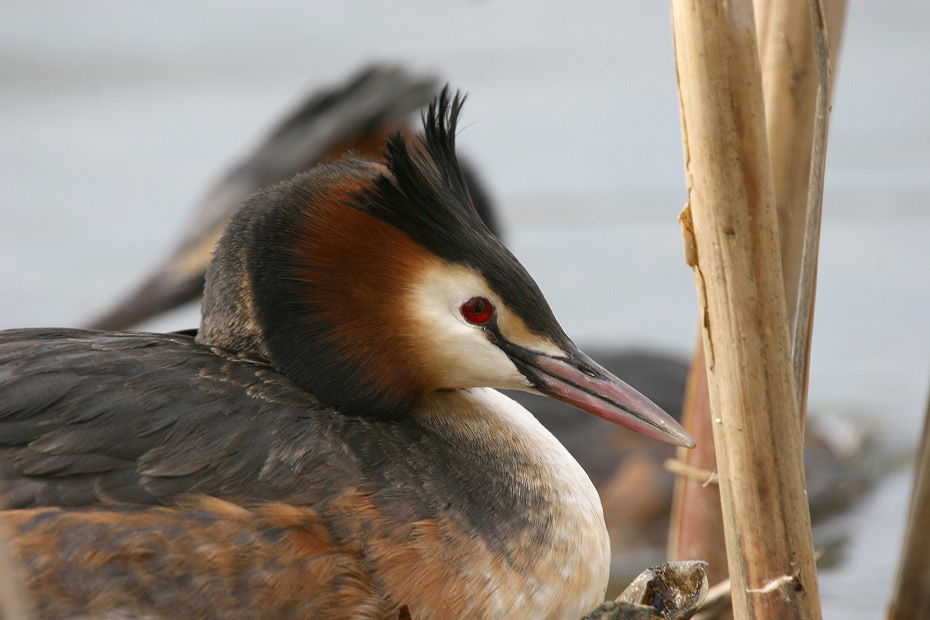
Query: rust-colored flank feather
[208,559]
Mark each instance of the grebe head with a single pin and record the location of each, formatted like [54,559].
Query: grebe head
[374,284]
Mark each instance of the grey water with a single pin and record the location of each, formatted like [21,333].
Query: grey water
[114,116]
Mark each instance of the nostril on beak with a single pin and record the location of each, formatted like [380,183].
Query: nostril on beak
[587,371]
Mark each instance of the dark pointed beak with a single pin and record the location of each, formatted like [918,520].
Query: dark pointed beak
[581,382]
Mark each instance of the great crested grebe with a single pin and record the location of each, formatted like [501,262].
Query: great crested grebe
[327,445]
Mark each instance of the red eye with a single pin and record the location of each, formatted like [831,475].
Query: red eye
[477,310]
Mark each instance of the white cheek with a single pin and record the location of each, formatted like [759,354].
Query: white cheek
[460,352]
[466,357]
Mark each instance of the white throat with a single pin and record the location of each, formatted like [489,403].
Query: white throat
[568,577]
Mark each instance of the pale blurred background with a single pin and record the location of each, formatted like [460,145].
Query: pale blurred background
[115,116]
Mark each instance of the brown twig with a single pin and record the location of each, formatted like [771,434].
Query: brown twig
[680,468]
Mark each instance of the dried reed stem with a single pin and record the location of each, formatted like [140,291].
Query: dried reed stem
[737,266]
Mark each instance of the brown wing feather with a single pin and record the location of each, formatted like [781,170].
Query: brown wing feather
[89,417]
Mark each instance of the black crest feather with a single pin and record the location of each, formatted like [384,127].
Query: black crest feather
[426,196]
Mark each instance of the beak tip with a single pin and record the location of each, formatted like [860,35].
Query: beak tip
[674,433]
